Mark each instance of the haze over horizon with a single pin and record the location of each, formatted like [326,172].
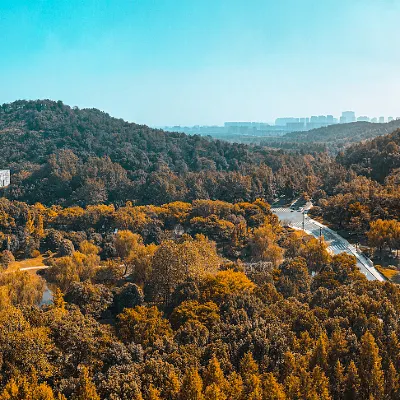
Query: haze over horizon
[204,62]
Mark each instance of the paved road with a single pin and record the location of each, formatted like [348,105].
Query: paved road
[34,268]
[337,244]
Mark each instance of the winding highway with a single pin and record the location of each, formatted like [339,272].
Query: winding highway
[336,243]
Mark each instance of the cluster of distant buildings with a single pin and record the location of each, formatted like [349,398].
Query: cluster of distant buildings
[4,177]
[306,124]
[281,126]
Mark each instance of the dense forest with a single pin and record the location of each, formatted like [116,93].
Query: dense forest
[202,300]
[376,159]
[61,155]
[172,278]
[374,191]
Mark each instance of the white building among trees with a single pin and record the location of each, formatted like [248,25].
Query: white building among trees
[4,177]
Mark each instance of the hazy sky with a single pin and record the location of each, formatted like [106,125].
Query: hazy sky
[167,62]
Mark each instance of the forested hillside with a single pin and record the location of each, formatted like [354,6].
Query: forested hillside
[62,155]
[378,158]
[345,133]
[371,196]
[334,138]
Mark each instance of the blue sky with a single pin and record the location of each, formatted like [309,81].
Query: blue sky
[167,62]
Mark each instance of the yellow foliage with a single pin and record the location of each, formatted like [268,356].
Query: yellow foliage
[173,263]
[128,217]
[21,288]
[143,325]
[87,248]
[226,283]
[22,388]
[178,210]
[191,310]
[126,242]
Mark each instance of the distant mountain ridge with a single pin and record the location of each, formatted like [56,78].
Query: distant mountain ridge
[355,132]
[334,137]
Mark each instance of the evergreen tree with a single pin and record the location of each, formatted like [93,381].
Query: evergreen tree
[338,381]
[392,384]
[320,353]
[248,366]
[320,384]
[154,394]
[338,347]
[172,386]
[306,386]
[22,388]
[289,365]
[234,387]
[214,392]
[86,389]
[214,373]
[192,386]
[293,387]
[393,349]
[371,374]
[353,382]
[272,389]
[58,299]
[251,377]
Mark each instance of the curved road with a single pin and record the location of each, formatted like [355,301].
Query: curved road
[336,243]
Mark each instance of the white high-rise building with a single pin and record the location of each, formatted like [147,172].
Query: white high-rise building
[348,116]
[4,177]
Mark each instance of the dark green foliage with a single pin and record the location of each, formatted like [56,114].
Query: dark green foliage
[128,296]
[65,155]
[376,158]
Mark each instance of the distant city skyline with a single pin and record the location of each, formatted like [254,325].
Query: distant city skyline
[281,126]
[329,119]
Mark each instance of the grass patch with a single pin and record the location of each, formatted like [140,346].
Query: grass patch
[388,273]
[27,263]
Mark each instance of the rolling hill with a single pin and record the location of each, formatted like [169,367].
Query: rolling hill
[377,158]
[334,137]
[64,155]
